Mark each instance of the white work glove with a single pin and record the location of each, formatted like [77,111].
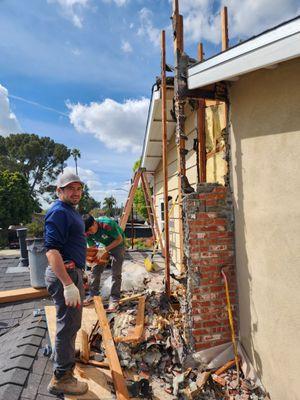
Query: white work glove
[72,295]
[102,256]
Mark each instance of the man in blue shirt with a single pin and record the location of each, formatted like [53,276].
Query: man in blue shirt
[65,243]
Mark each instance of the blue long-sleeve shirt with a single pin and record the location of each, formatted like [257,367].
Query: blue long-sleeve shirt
[64,231]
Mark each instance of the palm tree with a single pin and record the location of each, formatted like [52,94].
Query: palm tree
[75,153]
[109,204]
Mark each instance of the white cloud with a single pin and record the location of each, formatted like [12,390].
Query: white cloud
[246,18]
[119,3]
[250,17]
[126,46]
[76,52]
[120,126]
[8,120]
[147,28]
[72,9]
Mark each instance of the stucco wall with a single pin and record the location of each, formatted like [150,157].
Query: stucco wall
[265,139]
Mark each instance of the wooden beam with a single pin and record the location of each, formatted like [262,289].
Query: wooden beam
[201,130]
[9,296]
[84,346]
[226,366]
[129,202]
[111,353]
[224,19]
[200,51]
[179,88]
[165,162]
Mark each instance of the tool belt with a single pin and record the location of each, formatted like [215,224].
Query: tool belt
[69,265]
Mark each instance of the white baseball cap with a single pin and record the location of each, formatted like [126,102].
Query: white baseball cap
[66,178]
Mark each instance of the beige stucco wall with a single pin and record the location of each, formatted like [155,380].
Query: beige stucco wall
[265,139]
[216,167]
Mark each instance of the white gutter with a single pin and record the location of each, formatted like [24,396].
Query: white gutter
[280,44]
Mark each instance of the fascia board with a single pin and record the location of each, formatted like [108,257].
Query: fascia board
[155,97]
[273,47]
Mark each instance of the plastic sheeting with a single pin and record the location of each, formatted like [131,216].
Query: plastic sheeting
[216,357]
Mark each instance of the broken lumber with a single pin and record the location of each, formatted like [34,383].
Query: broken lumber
[9,296]
[137,334]
[129,298]
[84,346]
[111,353]
[226,366]
[219,380]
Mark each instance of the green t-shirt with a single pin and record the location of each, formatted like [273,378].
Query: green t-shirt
[108,231]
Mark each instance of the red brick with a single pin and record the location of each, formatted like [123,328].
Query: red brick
[220,189]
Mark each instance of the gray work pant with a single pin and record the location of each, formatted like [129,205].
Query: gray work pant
[68,321]
[117,257]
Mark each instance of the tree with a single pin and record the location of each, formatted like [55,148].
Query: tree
[75,153]
[87,202]
[139,198]
[39,159]
[109,204]
[16,202]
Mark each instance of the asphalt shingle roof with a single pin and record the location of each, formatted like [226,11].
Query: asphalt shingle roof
[24,371]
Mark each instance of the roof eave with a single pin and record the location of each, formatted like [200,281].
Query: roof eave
[275,46]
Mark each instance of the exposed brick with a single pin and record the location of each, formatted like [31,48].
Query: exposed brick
[209,244]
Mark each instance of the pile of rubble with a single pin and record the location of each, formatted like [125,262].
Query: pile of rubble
[157,363]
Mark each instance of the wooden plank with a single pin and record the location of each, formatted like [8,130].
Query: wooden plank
[137,334]
[165,161]
[96,378]
[9,296]
[129,202]
[129,298]
[219,380]
[89,318]
[84,346]
[111,353]
[140,318]
[95,363]
[225,367]
[224,19]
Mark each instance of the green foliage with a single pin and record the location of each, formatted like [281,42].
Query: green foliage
[109,206]
[35,229]
[136,165]
[39,159]
[97,212]
[16,202]
[75,153]
[87,202]
[140,203]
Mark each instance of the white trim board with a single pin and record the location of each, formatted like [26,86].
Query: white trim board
[273,47]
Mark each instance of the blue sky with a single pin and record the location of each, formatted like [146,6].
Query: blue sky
[92,64]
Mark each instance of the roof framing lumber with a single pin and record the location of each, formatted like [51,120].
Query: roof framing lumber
[9,296]
[111,353]
[165,162]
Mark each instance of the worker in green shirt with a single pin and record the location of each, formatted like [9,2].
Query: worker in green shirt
[105,233]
